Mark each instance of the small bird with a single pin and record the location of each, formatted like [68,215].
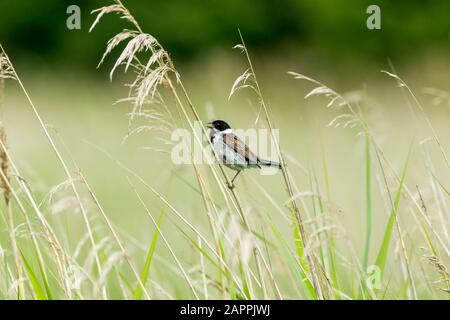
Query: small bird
[232,152]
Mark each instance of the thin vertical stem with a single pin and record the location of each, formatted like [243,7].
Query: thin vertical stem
[4,184]
[61,160]
[287,179]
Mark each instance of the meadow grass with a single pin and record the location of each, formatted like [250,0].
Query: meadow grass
[358,211]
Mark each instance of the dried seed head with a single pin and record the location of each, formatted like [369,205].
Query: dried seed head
[4,167]
[117,8]
[6,71]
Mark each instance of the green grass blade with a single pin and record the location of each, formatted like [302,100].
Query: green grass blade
[384,248]
[200,250]
[44,279]
[125,281]
[38,290]
[244,282]
[331,244]
[368,204]
[441,185]
[382,253]
[300,250]
[264,239]
[315,189]
[148,261]
[294,264]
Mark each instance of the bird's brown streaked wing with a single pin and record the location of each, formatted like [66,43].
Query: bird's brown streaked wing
[233,142]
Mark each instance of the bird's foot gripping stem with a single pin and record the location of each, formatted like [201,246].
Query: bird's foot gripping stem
[231,183]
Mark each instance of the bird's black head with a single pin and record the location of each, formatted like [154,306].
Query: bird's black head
[219,125]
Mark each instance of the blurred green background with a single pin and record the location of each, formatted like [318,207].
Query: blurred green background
[328,30]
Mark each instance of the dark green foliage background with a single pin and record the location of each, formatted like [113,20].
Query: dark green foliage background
[35,31]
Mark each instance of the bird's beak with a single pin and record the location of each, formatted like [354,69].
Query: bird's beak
[209,125]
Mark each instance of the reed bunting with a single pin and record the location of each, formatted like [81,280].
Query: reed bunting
[232,152]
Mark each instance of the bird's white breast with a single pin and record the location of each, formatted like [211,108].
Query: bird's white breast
[226,154]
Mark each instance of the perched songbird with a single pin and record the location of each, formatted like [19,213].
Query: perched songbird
[232,152]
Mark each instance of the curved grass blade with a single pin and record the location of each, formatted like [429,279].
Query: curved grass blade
[44,279]
[38,290]
[368,204]
[148,261]
[384,248]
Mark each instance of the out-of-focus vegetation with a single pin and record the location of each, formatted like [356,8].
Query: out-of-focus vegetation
[329,29]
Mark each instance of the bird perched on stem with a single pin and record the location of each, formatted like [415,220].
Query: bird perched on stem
[232,151]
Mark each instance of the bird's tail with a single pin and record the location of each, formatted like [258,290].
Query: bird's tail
[268,163]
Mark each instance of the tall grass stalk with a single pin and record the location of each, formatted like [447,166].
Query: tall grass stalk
[157,227]
[66,170]
[368,203]
[353,119]
[5,72]
[402,84]
[321,287]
